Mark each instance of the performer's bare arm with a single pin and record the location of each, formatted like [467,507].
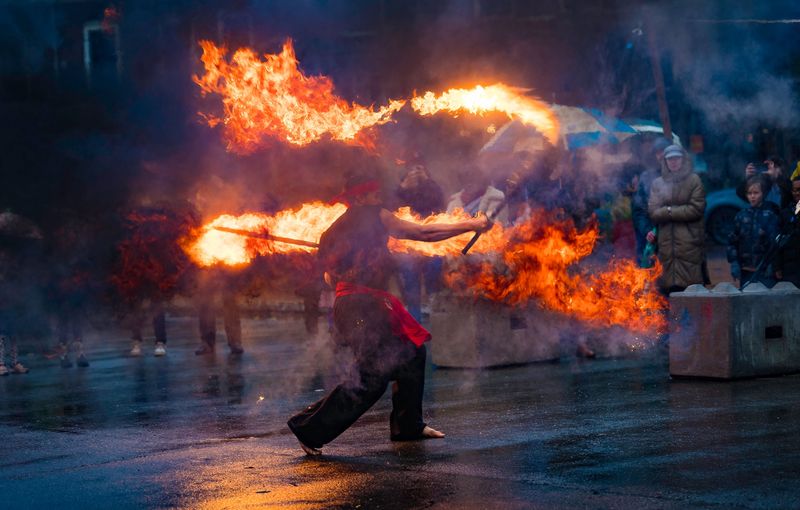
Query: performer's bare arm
[401,229]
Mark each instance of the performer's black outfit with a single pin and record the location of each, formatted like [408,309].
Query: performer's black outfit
[354,250]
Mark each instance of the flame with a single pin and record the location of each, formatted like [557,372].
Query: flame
[272,97]
[492,98]
[538,263]
[536,260]
[307,223]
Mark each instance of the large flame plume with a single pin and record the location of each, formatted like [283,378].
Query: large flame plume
[272,97]
[539,262]
[492,98]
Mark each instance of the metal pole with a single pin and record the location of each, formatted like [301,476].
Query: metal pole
[658,77]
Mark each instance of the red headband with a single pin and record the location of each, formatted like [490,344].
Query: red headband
[356,191]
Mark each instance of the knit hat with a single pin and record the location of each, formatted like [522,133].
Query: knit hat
[673,151]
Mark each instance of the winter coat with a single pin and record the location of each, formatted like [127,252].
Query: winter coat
[789,257]
[676,206]
[754,232]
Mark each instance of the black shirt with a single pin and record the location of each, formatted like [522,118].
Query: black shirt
[354,248]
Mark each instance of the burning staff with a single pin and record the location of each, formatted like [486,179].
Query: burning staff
[270,237]
[387,341]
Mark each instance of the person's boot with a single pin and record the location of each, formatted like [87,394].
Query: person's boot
[81,361]
[160,350]
[16,366]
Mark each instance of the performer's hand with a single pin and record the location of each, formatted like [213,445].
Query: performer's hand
[651,237]
[749,170]
[481,223]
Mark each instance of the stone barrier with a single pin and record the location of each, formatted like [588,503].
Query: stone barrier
[477,333]
[725,333]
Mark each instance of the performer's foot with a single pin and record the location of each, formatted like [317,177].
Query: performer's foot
[311,452]
[431,433]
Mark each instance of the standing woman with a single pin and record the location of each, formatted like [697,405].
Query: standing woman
[676,206]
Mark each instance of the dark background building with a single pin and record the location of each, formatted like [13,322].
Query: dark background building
[92,93]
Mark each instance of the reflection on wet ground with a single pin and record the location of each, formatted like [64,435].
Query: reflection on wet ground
[190,431]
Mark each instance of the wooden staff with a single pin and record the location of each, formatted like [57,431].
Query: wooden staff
[491,220]
[270,237]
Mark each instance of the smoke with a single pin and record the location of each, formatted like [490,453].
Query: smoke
[730,65]
[737,86]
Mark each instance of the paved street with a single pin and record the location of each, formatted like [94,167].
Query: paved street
[190,432]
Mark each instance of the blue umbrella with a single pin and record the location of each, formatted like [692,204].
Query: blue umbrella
[579,127]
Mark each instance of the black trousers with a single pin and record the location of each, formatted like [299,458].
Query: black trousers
[362,324]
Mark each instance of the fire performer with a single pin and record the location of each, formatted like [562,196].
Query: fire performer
[388,343]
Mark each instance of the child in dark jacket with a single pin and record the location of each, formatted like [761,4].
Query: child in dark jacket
[753,236]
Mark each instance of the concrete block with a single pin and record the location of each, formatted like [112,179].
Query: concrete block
[469,333]
[726,333]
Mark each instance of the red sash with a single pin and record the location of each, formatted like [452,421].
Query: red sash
[403,323]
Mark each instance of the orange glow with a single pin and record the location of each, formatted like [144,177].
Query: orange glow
[305,223]
[533,261]
[538,263]
[273,98]
[492,98]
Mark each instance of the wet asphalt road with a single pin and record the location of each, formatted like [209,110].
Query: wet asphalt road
[209,432]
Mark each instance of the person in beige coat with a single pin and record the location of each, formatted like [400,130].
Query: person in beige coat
[676,206]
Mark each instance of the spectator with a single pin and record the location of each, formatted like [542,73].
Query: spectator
[20,250]
[754,233]
[780,189]
[214,282]
[151,267]
[676,205]
[789,257]
[641,219]
[70,284]
[623,237]
[424,196]
[419,191]
[478,195]
[519,208]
